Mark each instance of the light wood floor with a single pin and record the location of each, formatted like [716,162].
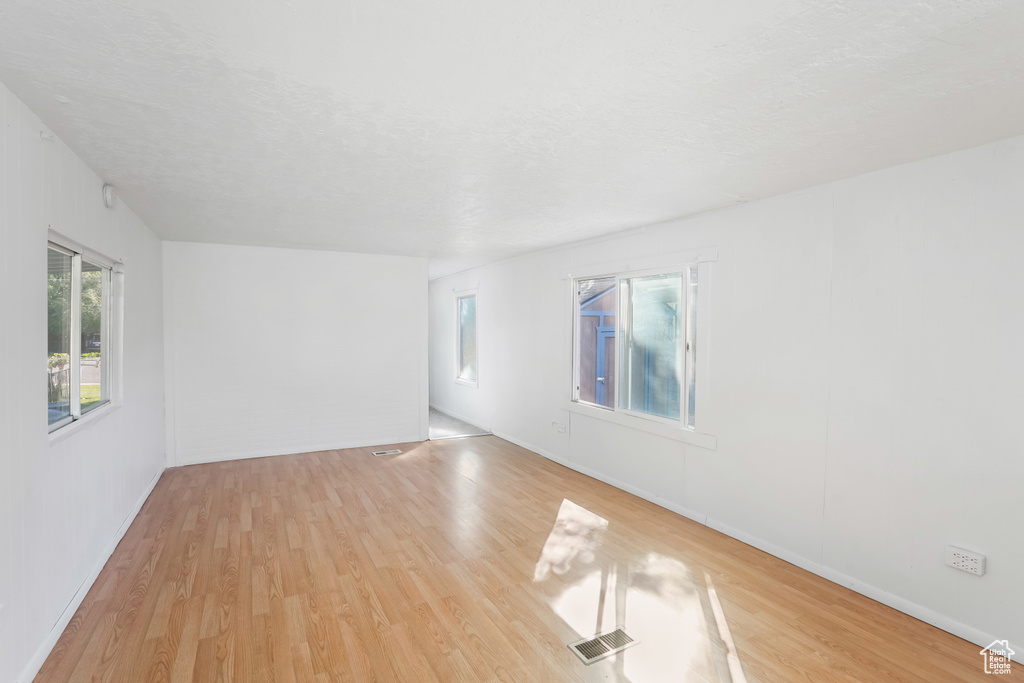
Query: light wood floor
[462,560]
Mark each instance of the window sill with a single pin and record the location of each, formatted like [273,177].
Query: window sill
[689,436]
[466,382]
[90,418]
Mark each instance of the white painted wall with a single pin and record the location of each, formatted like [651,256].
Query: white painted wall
[64,506]
[865,380]
[273,351]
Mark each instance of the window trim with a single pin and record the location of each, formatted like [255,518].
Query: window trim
[112,328]
[458,297]
[677,262]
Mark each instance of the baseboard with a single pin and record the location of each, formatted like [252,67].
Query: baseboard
[961,630]
[640,493]
[44,649]
[295,450]
[948,624]
[464,418]
[530,447]
[612,481]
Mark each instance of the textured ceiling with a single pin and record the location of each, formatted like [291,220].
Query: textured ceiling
[470,131]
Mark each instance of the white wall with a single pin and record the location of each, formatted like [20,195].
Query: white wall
[274,351]
[64,506]
[864,385]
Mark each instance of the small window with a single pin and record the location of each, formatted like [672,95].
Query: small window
[653,312]
[466,355]
[595,330]
[78,335]
[58,363]
[635,344]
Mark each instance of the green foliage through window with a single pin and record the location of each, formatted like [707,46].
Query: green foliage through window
[78,303]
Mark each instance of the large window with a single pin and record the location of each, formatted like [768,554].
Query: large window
[466,360]
[635,344]
[78,310]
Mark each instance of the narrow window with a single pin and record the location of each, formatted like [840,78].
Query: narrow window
[467,356]
[58,362]
[595,341]
[78,335]
[93,363]
[690,349]
[652,355]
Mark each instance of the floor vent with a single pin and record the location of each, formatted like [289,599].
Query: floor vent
[393,451]
[589,650]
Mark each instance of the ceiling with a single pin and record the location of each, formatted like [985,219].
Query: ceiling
[468,132]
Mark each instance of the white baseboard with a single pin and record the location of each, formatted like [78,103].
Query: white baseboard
[948,624]
[640,493]
[464,418]
[531,447]
[43,651]
[629,488]
[298,450]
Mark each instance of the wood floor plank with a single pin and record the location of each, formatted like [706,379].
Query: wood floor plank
[462,560]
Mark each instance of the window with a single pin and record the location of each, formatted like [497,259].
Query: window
[635,344]
[78,306]
[595,334]
[466,360]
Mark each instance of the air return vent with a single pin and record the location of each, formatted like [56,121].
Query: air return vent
[590,650]
[393,451]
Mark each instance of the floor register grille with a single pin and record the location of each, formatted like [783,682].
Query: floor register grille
[592,649]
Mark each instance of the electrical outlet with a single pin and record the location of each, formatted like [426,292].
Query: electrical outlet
[558,427]
[965,560]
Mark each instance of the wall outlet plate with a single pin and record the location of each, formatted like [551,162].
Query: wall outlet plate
[965,560]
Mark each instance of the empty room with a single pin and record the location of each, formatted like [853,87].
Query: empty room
[581,341]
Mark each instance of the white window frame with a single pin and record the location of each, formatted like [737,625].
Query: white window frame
[575,388]
[458,297]
[620,347]
[669,264]
[111,332]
